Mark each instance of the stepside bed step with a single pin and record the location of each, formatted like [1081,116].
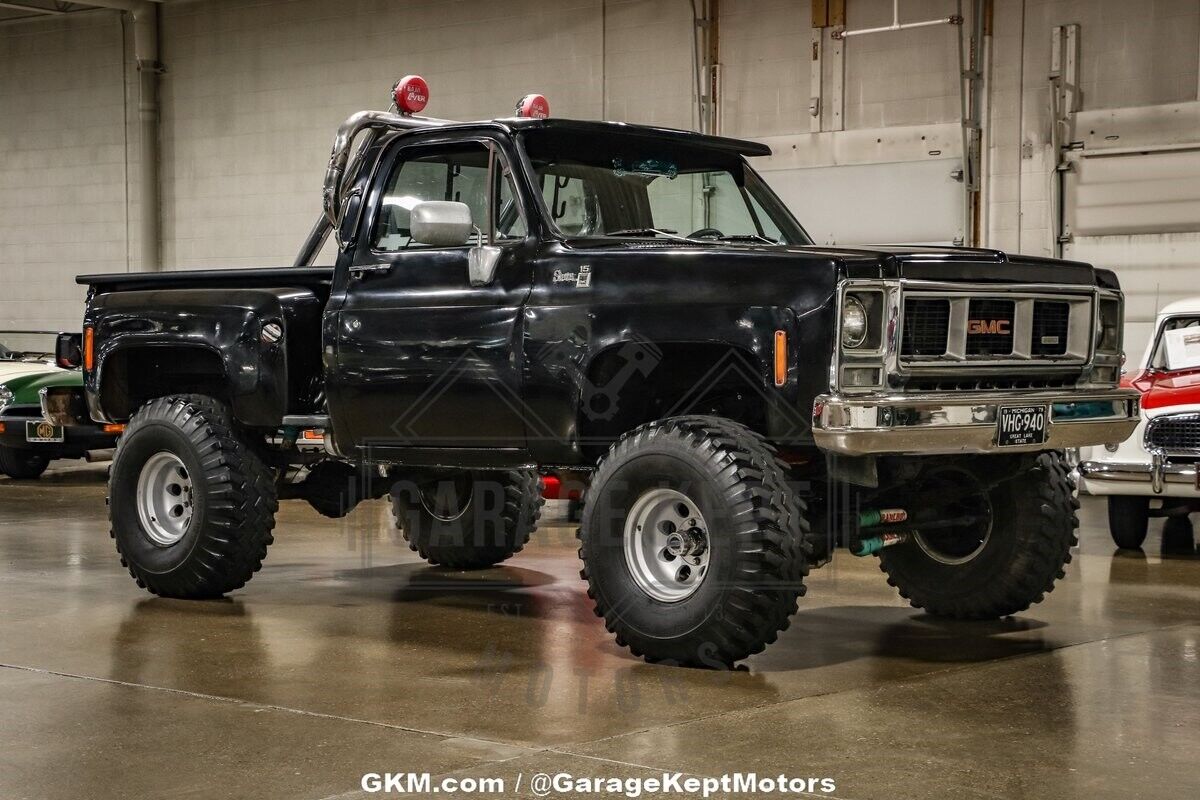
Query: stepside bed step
[306,421]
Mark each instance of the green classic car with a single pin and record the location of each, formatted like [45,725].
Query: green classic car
[28,440]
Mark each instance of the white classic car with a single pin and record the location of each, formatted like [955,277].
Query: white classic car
[1154,472]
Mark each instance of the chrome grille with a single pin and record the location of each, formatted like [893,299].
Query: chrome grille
[1051,319]
[1177,434]
[941,329]
[990,327]
[926,323]
[990,383]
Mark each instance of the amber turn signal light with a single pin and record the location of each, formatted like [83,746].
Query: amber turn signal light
[89,353]
[780,358]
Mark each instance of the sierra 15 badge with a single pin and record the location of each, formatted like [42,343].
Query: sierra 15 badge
[581,279]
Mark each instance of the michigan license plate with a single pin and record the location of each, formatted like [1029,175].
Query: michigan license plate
[43,432]
[1021,425]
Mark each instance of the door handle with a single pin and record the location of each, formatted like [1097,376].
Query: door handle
[362,270]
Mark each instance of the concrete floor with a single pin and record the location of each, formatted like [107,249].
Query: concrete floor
[348,655]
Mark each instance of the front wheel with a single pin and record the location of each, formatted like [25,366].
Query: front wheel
[22,465]
[1128,520]
[694,545]
[192,507]
[1011,543]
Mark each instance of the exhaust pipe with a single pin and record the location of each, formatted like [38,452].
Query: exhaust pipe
[99,456]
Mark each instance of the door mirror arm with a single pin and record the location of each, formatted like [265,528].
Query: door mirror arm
[483,259]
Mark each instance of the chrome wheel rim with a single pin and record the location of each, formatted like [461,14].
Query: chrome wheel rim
[164,498]
[446,500]
[960,545]
[667,545]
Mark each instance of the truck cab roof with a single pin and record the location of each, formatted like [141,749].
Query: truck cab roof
[675,136]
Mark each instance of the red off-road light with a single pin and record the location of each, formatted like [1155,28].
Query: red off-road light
[411,94]
[534,106]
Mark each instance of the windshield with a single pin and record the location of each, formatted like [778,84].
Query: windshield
[629,185]
[1178,345]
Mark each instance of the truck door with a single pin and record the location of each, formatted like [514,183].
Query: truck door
[422,359]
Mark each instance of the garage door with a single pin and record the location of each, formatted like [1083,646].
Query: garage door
[1137,212]
[874,203]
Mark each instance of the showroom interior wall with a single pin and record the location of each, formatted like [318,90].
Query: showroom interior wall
[253,90]
[62,166]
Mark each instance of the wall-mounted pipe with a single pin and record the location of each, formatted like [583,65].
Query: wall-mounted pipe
[897,25]
[145,60]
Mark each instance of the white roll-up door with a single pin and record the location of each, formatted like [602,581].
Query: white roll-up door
[914,202]
[1137,212]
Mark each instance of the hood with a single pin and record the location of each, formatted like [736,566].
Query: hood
[915,262]
[25,386]
[1165,390]
[17,369]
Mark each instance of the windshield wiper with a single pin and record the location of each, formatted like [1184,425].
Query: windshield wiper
[665,232]
[747,237]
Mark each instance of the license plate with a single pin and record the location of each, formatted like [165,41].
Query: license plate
[43,432]
[1021,425]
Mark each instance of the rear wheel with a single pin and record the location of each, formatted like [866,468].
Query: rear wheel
[192,507]
[1128,520]
[1012,539]
[22,465]
[468,520]
[694,545]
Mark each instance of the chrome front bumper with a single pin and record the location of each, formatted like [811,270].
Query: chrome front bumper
[1158,473]
[932,424]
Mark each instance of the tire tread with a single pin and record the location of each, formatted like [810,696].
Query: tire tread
[1047,531]
[775,535]
[241,500]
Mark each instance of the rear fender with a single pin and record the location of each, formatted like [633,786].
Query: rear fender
[213,341]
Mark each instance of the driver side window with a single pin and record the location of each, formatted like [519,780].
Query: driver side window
[454,172]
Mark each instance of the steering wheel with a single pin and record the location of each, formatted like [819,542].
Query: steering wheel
[706,233]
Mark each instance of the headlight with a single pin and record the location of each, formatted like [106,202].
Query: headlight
[1108,326]
[854,322]
[6,396]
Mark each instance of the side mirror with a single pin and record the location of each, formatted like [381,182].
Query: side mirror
[441,223]
[68,350]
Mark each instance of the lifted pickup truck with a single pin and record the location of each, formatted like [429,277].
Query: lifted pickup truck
[529,297]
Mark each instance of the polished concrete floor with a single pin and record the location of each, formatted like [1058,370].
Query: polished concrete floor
[347,655]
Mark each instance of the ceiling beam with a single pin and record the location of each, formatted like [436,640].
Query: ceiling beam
[38,9]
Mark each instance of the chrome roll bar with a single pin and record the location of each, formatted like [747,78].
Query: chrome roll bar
[341,168]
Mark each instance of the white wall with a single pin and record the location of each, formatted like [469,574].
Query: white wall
[62,167]
[255,88]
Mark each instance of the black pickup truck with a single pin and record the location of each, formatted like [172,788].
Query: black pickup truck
[520,299]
